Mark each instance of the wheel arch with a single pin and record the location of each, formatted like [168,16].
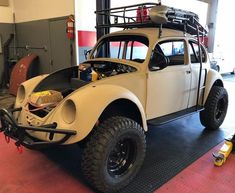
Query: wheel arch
[123,107]
[213,79]
[94,103]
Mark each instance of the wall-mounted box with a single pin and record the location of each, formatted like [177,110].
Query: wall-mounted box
[4,2]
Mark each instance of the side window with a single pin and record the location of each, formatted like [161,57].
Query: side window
[136,51]
[116,49]
[194,53]
[174,50]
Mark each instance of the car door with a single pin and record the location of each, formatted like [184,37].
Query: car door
[195,69]
[168,89]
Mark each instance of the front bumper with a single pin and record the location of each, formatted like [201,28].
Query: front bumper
[18,132]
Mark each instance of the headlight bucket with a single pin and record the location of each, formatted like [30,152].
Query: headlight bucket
[21,94]
[69,111]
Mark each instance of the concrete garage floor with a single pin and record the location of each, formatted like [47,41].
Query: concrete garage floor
[37,172]
[6,100]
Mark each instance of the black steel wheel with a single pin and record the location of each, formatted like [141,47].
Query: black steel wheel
[122,157]
[114,154]
[215,108]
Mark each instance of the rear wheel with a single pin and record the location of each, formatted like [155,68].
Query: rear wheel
[215,108]
[114,154]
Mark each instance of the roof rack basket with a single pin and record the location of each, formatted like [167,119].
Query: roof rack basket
[151,15]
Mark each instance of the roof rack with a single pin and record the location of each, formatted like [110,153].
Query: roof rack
[151,15]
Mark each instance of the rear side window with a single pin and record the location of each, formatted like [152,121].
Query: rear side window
[194,53]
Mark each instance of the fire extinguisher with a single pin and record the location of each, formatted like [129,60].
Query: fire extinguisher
[70,27]
[142,14]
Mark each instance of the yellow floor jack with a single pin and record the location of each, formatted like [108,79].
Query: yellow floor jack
[221,156]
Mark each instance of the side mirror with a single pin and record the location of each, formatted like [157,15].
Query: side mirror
[158,61]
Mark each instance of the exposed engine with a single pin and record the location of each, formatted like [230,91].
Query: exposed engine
[98,70]
[60,84]
[41,103]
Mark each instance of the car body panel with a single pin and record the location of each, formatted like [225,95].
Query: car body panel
[155,94]
[88,110]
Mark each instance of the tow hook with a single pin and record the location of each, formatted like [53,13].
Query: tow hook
[19,147]
[7,138]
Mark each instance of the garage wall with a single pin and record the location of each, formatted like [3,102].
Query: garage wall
[32,10]
[5,30]
[6,27]
[42,24]
[6,13]
[85,25]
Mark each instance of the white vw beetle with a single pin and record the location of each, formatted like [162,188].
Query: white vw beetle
[154,72]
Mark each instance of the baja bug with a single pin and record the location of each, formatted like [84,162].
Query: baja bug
[151,73]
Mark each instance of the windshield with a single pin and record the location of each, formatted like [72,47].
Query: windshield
[128,47]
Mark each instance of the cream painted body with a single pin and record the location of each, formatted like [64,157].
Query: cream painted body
[155,93]
[164,88]
[91,100]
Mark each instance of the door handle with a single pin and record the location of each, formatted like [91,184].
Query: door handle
[188,71]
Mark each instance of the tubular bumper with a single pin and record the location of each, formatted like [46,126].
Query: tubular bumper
[11,129]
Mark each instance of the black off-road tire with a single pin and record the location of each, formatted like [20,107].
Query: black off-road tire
[215,108]
[114,154]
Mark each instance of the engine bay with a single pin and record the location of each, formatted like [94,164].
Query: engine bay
[54,88]
[92,71]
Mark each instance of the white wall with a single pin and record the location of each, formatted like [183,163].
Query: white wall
[29,10]
[6,13]
[85,16]
[224,33]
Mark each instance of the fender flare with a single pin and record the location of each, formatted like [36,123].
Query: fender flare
[213,77]
[90,103]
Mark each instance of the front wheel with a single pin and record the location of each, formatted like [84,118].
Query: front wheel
[215,108]
[114,154]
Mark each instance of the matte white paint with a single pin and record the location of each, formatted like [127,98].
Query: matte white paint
[6,13]
[26,10]
[157,94]
[173,96]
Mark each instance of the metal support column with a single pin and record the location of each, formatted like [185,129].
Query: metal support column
[211,22]
[101,5]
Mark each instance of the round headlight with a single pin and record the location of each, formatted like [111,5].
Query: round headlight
[69,111]
[21,93]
